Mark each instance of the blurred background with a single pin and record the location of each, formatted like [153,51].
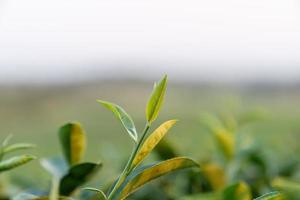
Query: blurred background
[58,57]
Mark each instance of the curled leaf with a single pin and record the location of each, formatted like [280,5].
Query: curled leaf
[122,115]
[156,100]
[152,141]
[73,141]
[138,179]
[15,162]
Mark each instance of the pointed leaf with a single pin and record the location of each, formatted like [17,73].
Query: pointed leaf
[122,115]
[6,140]
[77,176]
[15,162]
[226,142]
[152,141]
[72,138]
[16,147]
[271,196]
[135,181]
[156,100]
[100,194]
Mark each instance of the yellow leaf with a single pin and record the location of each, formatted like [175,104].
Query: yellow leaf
[215,175]
[152,141]
[155,171]
[78,143]
[243,192]
[226,142]
[72,137]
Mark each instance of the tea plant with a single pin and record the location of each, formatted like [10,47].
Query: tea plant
[7,164]
[68,173]
[15,161]
[220,177]
[133,175]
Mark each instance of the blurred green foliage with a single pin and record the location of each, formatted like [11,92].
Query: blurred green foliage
[33,113]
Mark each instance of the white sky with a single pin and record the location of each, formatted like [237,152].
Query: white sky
[227,40]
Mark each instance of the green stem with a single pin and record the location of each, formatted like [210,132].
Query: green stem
[127,170]
[54,189]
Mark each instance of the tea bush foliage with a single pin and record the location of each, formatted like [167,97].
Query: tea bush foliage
[237,170]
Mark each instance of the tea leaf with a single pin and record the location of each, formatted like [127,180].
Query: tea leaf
[72,138]
[77,176]
[238,191]
[6,140]
[156,100]
[100,194]
[136,180]
[16,147]
[214,174]
[271,196]
[125,119]
[15,162]
[226,142]
[152,141]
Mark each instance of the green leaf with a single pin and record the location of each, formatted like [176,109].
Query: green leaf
[238,191]
[100,194]
[6,140]
[271,196]
[138,179]
[15,162]
[152,141]
[122,115]
[16,147]
[156,100]
[72,138]
[77,176]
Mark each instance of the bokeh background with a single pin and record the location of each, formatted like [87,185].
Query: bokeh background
[58,57]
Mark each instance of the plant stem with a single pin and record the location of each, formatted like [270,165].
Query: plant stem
[127,170]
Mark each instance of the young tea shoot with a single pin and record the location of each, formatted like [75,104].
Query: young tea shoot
[134,175]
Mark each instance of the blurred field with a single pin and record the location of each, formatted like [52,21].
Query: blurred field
[34,114]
